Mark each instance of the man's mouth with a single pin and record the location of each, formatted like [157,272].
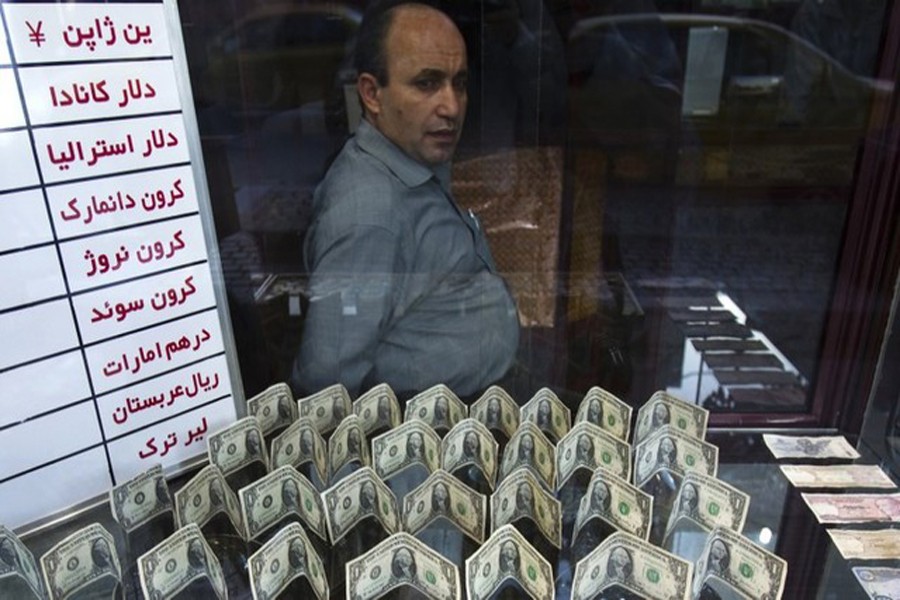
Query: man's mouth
[446,135]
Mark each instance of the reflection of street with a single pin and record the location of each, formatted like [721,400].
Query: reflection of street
[774,257]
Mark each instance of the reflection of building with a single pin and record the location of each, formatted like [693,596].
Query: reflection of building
[728,365]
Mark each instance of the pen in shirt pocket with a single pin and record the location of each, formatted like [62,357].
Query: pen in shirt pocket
[474,219]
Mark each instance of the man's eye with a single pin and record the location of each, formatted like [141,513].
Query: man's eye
[427,85]
[460,84]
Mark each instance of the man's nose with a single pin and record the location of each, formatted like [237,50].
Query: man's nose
[451,102]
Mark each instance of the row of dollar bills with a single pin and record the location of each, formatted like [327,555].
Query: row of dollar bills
[543,450]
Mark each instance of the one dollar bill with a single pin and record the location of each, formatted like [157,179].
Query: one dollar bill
[507,555]
[402,560]
[280,494]
[733,560]
[629,562]
[347,444]
[664,409]
[413,442]
[497,411]
[281,560]
[204,496]
[710,503]
[327,408]
[140,499]
[606,411]
[616,502]
[670,449]
[238,445]
[470,443]
[85,558]
[438,406]
[443,495]
[16,560]
[587,446]
[181,559]
[378,409]
[548,412]
[530,448]
[274,408]
[521,495]
[300,444]
[359,495]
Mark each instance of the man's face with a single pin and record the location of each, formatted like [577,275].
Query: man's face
[601,493]
[527,445]
[620,558]
[367,495]
[493,411]
[440,494]
[297,554]
[471,444]
[718,552]
[508,555]
[660,414]
[415,443]
[689,497]
[423,105]
[544,411]
[306,441]
[584,447]
[524,496]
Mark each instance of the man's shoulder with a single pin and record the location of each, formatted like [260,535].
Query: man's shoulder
[357,178]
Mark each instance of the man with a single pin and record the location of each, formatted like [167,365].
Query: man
[253,444]
[216,493]
[403,565]
[493,412]
[719,557]
[471,446]
[620,565]
[368,497]
[661,416]
[440,499]
[584,451]
[307,443]
[595,412]
[403,288]
[509,559]
[354,443]
[290,495]
[526,448]
[600,498]
[415,446]
[666,452]
[524,499]
[689,499]
[297,554]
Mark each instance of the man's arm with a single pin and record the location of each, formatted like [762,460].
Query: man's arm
[353,286]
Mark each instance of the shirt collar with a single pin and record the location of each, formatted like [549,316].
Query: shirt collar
[411,172]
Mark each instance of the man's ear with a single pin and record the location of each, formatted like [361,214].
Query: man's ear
[369,93]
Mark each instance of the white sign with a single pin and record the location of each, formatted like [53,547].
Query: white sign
[115,349]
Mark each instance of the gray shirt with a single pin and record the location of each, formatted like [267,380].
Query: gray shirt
[403,288]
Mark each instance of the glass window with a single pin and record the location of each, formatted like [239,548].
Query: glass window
[668,187]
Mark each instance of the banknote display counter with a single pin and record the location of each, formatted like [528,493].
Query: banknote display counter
[762,502]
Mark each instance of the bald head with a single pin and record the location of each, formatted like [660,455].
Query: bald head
[418,100]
